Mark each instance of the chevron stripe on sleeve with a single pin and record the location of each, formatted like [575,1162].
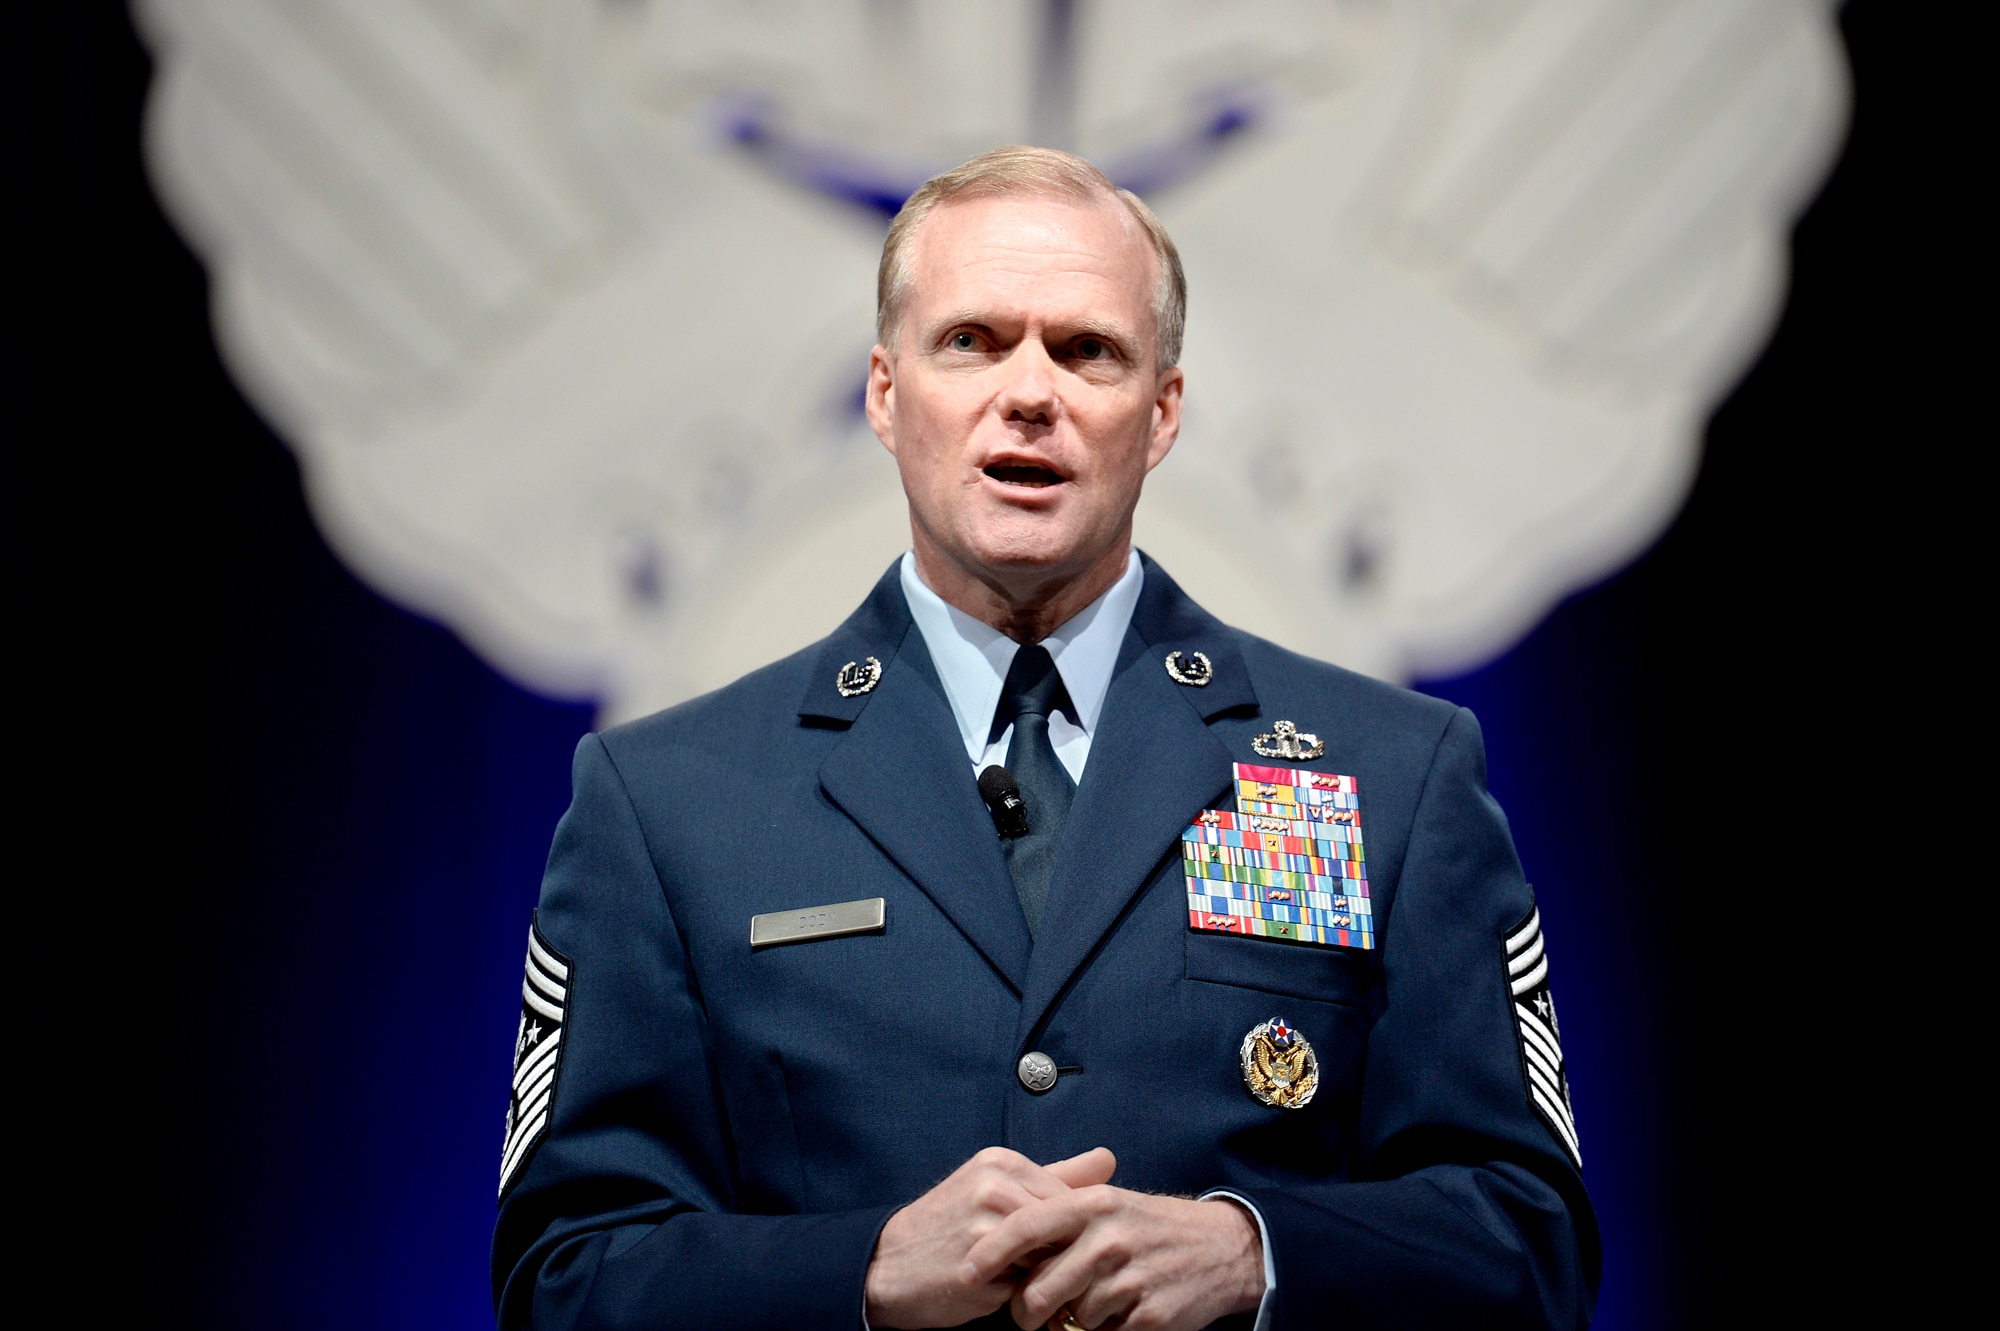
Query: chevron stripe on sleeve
[1540,1032]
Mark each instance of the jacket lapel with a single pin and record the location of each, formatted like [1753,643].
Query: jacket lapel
[1154,765]
[902,775]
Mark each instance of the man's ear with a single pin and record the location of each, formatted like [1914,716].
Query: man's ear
[1166,417]
[881,399]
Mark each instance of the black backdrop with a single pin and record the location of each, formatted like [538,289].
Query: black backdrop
[222,738]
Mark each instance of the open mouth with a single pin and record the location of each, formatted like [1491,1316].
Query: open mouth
[1031,476]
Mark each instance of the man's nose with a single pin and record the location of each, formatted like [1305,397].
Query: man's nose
[1028,393]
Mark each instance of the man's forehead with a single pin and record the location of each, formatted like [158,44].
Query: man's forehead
[1015,245]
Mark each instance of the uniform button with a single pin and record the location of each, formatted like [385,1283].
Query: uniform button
[1036,1070]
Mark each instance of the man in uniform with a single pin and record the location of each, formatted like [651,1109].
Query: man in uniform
[1037,948]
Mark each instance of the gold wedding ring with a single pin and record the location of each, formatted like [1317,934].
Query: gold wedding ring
[1069,1322]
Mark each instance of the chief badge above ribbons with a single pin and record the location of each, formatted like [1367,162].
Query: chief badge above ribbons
[1288,864]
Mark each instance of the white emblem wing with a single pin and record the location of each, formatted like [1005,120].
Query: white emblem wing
[568,378]
[567,381]
[1457,326]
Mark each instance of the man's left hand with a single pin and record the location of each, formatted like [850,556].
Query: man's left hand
[1157,1263]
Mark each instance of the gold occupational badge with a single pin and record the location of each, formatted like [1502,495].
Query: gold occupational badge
[1279,1066]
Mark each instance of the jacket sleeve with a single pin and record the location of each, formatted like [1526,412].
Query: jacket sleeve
[621,1214]
[1465,1209]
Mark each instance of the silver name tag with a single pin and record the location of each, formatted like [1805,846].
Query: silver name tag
[835,921]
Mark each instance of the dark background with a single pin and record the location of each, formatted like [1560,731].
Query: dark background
[294,831]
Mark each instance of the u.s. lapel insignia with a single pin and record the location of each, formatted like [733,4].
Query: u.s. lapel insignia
[858,677]
[1285,741]
[1195,672]
[1279,1066]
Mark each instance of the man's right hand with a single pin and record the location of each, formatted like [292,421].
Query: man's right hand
[917,1276]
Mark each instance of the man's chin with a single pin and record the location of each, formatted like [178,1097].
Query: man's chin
[1041,551]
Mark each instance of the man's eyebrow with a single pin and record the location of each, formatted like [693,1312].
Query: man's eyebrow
[1108,330]
[1103,329]
[967,315]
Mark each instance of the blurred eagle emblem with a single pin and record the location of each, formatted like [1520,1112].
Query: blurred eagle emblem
[566,308]
[1279,1066]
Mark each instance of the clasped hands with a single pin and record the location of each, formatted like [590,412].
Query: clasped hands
[1056,1241]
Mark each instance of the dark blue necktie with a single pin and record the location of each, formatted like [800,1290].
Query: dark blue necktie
[1032,692]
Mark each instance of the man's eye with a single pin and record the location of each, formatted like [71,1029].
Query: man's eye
[964,342]
[1091,349]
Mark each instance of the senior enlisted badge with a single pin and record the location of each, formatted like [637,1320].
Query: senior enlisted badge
[1279,1066]
[1288,864]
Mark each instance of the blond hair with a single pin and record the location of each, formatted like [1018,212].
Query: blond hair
[1019,170]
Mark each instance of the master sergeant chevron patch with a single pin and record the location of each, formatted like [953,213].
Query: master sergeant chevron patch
[537,1054]
[1540,1033]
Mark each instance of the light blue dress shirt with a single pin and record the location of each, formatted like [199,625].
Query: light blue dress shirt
[972,658]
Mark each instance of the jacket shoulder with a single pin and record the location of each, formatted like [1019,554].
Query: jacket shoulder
[760,721]
[738,718]
[1283,683]
[1287,679]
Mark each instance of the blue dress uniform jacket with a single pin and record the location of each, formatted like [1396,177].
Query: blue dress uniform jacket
[729,1128]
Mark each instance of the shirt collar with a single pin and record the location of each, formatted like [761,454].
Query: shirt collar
[972,657]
